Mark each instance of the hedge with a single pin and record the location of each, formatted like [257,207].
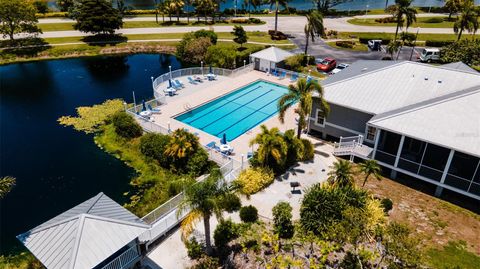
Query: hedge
[51,15]
[438,43]
[345,44]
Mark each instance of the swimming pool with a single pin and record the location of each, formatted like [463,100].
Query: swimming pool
[237,112]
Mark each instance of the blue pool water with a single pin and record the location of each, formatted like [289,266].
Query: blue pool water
[237,112]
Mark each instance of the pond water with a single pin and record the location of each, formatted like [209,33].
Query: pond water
[298,4]
[57,167]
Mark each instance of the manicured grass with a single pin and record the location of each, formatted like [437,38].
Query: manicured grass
[358,46]
[422,22]
[423,37]
[453,255]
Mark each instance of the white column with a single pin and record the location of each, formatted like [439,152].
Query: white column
[377,139]
[439,189]
[393,174]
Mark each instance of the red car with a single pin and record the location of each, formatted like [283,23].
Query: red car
[326,64]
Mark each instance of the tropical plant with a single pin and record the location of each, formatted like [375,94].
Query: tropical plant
[196,50]
[295,147]
[393,47]
[370,168]
[341,174]
[253,3]
[465,50]
[272,148]
[194,248]
[468,19]
[253,180]
[176,6]
[17,16]
[97,17]
[40,6]
[403,9]
[277,4]
[313,28]
[222,56]
[399,247]
[282,220]
[453,6]
[204,6]
[302,93]
[91,119]
[6,185]
[182,145]
[225,232]
[153,145]
[240,35]
[248,213]
[125,126]
[122,7]
[204,199]
[324,5]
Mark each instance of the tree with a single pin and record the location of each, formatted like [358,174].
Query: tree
[453,6]
[196,50]
[370,168]
[282,220]
[41,6]
[222,56]
[240,35]
[272,148]
[251,3]
[402,9]
[17,16]
[341,174]
[65,5]
[468,19]
[466,51]
[176,6]
[398,246]
[98,17]
[324,5]
[126,126]
[182,145]
[393,47]
[6,185]
[122,8]
[204,6]
[204,199]
[314,27]
[303,94]
[277,3]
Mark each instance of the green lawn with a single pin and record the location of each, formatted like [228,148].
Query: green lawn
[453,255]
[358,47]
[349,35]
[422,22]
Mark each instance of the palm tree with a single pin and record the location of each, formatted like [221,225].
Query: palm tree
[468,19]
[272,147]
[6,185]
[303,94]
[369,168]
[277,3]
[341,174]
[177,6]
[403,8]
[188,3]
[182,144]
[251,3]
[314,27]
[204,199]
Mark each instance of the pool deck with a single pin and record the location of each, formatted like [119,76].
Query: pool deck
[195,95]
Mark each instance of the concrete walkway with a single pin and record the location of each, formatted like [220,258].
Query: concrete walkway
[171,253]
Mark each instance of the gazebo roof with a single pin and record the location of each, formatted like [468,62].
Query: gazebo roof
[85,235]
[272,54]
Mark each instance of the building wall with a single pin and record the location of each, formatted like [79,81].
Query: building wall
[352,122]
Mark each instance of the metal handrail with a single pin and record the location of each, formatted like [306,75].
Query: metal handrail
[124,259]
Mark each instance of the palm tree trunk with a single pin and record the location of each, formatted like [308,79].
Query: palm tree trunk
[208,243]
[386,4]
[249,9]
[460,34]
[178,15]
[306,43]
[299,129]
[365,181]
[396,31]
[276,16]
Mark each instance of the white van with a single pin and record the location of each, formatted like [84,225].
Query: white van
[430,55]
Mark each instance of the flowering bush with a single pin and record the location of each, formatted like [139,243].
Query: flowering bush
[254,180]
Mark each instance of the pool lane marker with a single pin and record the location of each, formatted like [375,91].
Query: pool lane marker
[229,101]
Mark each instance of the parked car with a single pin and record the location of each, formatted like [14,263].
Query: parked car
[374,45]
[339,68]
[430,55]
[326,64]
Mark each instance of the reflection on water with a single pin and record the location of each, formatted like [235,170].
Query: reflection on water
[57,167]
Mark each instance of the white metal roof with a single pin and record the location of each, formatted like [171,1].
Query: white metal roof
[85,235]
[272,54]
[398,85]
[459,66]
[453,122]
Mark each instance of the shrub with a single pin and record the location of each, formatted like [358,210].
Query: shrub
[231,202]
[239,21]
[194,248]
[206,262]
[408,38]
[387,205]
[345,44]
[308,150]
[196,49]
[254,180]
[40,6]
[387,20]
[248,213]
[466,51]
[221,56]
[225,232]
[332,33]
[198,163]
[51,15]
[153,146]
[139,12]
[277,35]
[206,33]
[434,20]
[282,220]
[438,43]
[295,62]
[126,126]
[322,206]
[255,20]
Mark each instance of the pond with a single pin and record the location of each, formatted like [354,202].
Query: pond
[57,167]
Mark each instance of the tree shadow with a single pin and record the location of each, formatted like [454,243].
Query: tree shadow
[105,39]
[26,47]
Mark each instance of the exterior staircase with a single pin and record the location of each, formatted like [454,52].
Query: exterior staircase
[352,146]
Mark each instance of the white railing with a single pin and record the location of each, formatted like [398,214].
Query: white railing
[353,146]
[124,260]
[197,71]
[290,73]
[154,104]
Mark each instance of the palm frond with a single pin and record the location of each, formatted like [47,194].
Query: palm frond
[188,223]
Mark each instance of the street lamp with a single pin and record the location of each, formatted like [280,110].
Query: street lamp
[170,68]
[366,11]
[244,62]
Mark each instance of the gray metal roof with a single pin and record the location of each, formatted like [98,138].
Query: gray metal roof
[452,121]
[397,85]
[358,68]
[85,235]
[459,66]
[272,54]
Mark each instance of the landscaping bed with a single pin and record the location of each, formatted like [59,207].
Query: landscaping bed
[423,22]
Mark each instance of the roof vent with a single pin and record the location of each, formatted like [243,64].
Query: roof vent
[439,81]
[426,78]
[364,69]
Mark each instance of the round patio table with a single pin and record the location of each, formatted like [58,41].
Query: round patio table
[225,148]
[145,113]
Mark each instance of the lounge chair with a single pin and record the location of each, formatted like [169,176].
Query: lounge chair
[170,91]
[176,85]
[180,83]
[249,155]
[192,81]
[282,75]
[154,110]
[294,77]
[211,145]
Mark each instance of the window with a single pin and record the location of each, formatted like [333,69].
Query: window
[371,131]
[320,119]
